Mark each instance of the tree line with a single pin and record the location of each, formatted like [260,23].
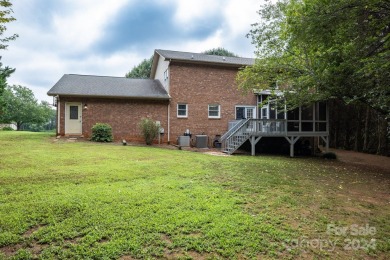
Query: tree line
[17,103]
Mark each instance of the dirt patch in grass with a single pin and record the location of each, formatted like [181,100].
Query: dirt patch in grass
[166,239]
[30,244]
[364,160]
[32,230]
[11,250]
[34,247]
[127,257]
[189,255]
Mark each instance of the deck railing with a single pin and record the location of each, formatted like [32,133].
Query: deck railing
[273,127]
[268,127]
[235,125]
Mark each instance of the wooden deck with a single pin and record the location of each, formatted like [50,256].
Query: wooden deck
[254,129]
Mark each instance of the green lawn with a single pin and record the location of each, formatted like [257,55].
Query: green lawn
[61,199]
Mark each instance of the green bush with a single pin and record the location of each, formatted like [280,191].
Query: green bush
[149,130]
[7,128]
[329,155]
[101,133]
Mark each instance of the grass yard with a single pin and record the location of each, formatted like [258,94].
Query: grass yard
[85,200]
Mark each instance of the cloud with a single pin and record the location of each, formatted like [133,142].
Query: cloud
[147,26]
[189,13]
[110,37]
[84,23]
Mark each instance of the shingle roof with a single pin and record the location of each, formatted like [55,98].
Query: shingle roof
[102,86]
[204,58]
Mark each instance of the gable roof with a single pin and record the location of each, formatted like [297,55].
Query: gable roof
[110,87]
[205,58]
[198,58]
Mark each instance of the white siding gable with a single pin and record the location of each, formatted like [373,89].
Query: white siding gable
[162,72]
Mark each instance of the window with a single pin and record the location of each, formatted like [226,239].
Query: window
[182,110]
[243,112]
[73,112]
[214,111]
[240,113]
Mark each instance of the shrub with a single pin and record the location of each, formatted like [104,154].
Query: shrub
[101,133]
[149,130]
[7,128]
[329,155]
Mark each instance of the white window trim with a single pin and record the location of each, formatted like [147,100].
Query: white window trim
[177,113]
[219,111]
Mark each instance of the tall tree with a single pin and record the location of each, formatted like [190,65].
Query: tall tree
[5,72]
[5,17]
[220,52]
[323,49]
[21,107]
[142,70]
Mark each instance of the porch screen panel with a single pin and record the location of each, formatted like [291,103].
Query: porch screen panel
[307,113]
[272,111]
[307,126]
[321,111]
[280,114]
[293,114]
[320,115]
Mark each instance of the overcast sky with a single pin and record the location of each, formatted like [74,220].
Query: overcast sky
[106,37]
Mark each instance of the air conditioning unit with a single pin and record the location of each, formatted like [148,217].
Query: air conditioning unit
[201,141]
[183,141]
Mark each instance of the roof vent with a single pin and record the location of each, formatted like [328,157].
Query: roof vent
[223,58]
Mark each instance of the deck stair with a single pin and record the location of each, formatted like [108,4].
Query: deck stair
[236,136]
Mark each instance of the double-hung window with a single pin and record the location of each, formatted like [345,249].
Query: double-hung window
[214,111]
[182,110]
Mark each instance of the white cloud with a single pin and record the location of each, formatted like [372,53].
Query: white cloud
[84,24]
[239,15]
[213,41]
[191,10]
[237,18]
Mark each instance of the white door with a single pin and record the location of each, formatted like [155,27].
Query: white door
[73,118]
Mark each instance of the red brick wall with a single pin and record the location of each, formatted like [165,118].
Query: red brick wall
[122,114]
[198,86]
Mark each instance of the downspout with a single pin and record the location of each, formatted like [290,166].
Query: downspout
[169,103]
[169,122]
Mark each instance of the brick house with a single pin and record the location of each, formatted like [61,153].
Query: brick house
[186,92]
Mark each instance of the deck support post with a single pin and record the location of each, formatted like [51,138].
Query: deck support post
[326,140]
[292,141]
[253,140]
